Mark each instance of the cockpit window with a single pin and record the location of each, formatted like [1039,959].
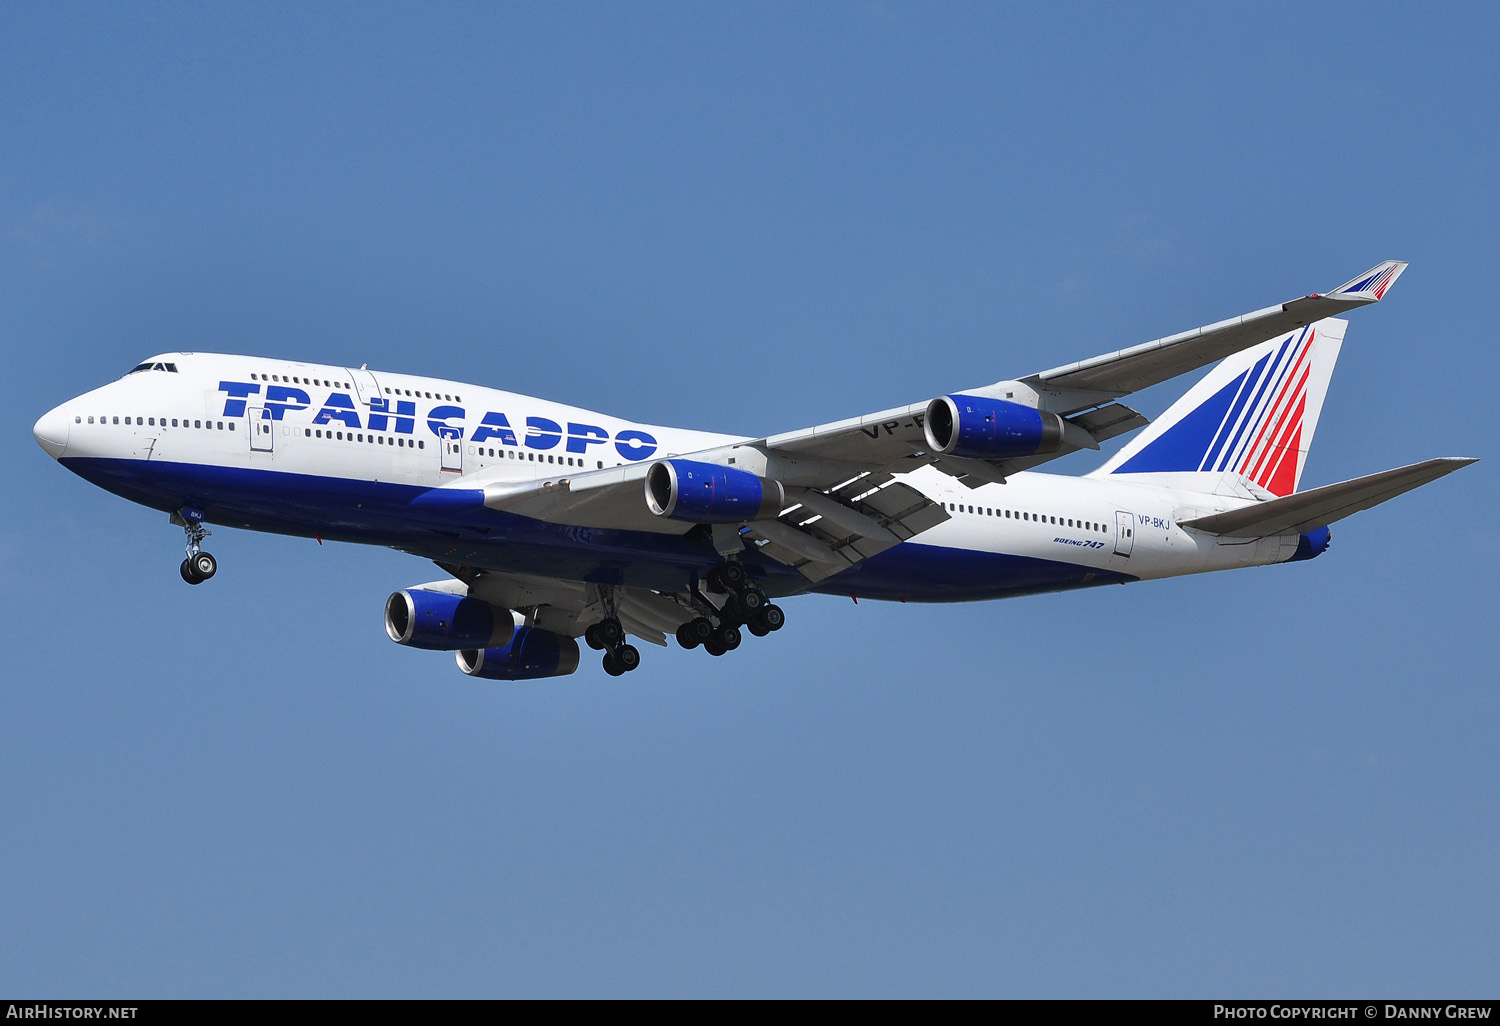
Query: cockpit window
[170,368]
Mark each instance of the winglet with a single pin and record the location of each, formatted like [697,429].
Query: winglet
[1370,286]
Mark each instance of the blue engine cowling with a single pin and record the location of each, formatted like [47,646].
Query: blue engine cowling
[708,494]
[973,425]
[444,622]
[531,655]
[1310,544]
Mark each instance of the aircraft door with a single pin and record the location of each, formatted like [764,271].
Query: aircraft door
[1124,533]
[262,429]
[452,444]
[366,385]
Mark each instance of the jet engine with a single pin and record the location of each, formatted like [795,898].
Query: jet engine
[445,622]
[983,428]
[1311,544]
[705,493]
[531,655]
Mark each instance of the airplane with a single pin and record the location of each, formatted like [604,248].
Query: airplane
[553,523]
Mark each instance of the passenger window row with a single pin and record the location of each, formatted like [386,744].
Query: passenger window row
[206,425]
[430,395]
[370,438]
[516,454]
[1025,515]
[295,380]
[324,383]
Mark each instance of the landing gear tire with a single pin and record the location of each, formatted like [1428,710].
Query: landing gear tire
[695,632]
[591,636]
[729,637]
[758,630]
[752,601]
[199,565]
[714,647]
[770,618]
[204,566]
[610,632]
[733,576]
[627,657]
[612,665]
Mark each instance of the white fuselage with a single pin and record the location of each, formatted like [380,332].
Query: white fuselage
[276,445]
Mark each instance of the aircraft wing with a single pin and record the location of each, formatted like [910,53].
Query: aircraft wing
[1082,393]
[1319,507]
[1126,371]
[844,502]
[821,525]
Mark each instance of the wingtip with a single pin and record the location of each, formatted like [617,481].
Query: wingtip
[1370,286]
[1442,466]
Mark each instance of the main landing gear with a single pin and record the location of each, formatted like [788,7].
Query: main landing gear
[199,566]
[733,602]
[609,636]
[745,606]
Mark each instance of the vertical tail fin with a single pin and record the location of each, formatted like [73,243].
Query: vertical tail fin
[1252,417]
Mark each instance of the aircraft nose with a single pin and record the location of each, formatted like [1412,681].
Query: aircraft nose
[51,432]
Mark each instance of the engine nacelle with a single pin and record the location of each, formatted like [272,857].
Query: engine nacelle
[444,622]
[708,494]
[531,655]
[973,425]
[1311,544]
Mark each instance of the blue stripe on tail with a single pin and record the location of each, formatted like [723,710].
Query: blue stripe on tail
[1226,443]
[1181,447]
[1267,384]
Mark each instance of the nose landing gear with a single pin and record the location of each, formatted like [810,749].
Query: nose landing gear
[199,566]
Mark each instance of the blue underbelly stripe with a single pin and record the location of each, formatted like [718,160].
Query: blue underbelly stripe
[454,527]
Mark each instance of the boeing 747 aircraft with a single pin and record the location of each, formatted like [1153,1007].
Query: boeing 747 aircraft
[553,523]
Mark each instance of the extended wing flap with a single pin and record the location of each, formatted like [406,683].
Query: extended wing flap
[905,511]
[1319,507]
[820,545]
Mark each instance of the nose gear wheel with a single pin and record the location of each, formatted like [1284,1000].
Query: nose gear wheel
[199,566]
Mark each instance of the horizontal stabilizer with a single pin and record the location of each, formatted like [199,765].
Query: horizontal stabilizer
[1306,511]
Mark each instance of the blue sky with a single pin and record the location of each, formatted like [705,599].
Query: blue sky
[1276,782]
